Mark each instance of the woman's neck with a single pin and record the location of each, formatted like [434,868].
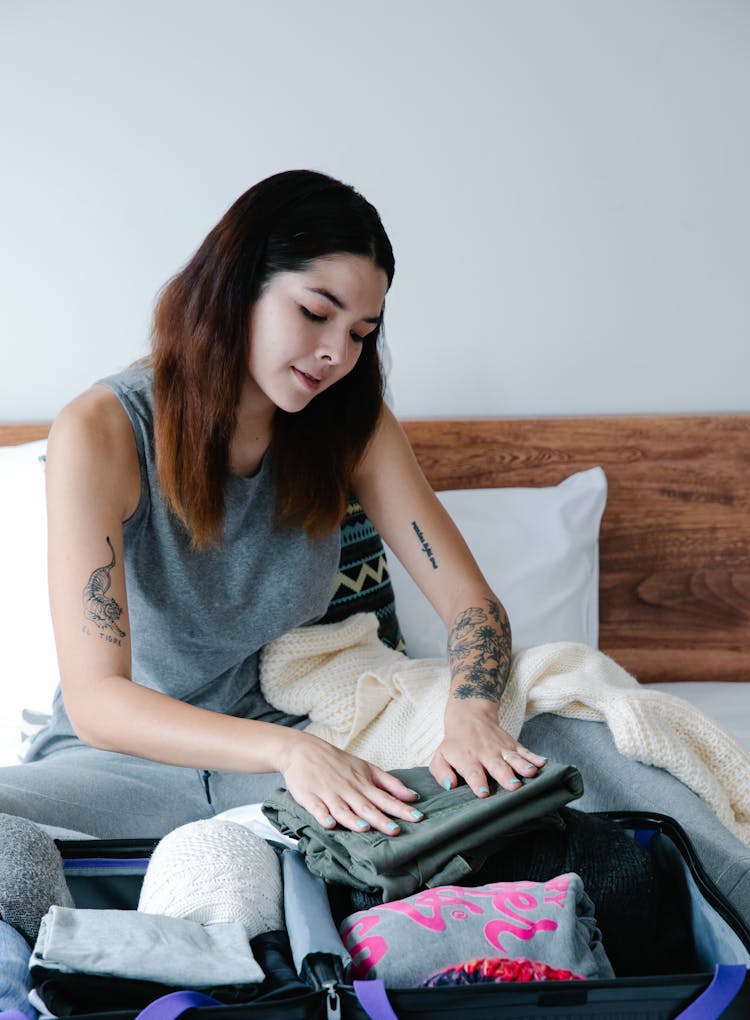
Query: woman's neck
[251,438]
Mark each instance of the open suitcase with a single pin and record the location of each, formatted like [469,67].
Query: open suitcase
[310,968]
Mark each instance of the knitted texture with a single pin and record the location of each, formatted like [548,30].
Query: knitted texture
[31,875]
[213,870]
[374,702]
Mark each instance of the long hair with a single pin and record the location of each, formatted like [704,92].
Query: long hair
[199,356]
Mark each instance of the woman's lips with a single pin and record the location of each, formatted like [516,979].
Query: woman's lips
[310,382]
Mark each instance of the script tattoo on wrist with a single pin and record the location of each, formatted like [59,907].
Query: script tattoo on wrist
[479,647]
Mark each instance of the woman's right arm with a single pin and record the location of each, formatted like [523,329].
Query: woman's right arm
[93,485]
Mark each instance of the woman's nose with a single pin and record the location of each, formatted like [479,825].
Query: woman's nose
[334,347]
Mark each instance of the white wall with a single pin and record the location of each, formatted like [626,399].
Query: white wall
[565,184]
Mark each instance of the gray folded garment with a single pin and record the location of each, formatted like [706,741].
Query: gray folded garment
[406,941]
[458,833]
[145,947]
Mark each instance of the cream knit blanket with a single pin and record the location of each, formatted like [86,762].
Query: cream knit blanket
[372,701]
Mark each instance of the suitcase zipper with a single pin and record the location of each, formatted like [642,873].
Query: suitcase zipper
[333,1003]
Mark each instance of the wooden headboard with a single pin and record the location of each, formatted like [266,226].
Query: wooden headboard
[675,537]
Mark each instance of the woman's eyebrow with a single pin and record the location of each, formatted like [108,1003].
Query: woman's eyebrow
[375,320]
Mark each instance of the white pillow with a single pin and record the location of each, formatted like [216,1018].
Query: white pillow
[539,551]
[28,660]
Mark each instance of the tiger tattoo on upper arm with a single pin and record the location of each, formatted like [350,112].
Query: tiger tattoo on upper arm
[98,607]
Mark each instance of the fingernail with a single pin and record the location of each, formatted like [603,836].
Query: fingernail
[362,824]
[446,784]
[416,815]
[544,759]
[527,767]
[393,826]
[515,782]
[414,792]
[484,789]
[330,821]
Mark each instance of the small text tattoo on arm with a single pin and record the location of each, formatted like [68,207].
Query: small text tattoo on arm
[425,545]
[479,649]
[99,607]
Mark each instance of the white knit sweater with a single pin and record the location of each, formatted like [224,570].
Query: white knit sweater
[369,700]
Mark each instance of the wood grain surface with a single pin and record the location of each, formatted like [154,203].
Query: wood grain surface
[13,434]
[675,537]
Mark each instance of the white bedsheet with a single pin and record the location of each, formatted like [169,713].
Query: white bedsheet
[10,742]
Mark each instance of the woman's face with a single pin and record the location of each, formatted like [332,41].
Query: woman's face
[307,328]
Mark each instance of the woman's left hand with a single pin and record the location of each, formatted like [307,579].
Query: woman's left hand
[475,747]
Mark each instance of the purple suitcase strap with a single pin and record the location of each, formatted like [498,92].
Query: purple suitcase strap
[711,1003]
[168,1007]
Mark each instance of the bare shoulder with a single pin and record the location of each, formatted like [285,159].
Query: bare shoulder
[96,415]
[388,425]
[92,438]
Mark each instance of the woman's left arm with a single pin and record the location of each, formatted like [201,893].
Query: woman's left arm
[399,501]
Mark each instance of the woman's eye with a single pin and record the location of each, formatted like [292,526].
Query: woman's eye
[311,315]
[359,338]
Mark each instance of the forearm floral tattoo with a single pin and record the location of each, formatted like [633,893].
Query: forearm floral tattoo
[479,647]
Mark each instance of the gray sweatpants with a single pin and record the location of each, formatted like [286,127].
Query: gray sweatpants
[115,796]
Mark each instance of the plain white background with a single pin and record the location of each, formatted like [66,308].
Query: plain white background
[565,183]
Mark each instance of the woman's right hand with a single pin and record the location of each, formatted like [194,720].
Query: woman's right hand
[338,788]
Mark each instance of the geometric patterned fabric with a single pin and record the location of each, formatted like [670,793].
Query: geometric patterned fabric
[363,584]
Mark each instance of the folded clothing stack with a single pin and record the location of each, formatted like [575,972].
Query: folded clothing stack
[641,909]
[210,888]
[406,941]
[455,838]
[144,947]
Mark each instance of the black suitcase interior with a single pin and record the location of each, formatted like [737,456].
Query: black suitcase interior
[308,967]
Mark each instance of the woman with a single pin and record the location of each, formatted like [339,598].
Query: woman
[195,501]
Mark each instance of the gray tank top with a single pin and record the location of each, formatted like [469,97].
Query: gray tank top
[199,619]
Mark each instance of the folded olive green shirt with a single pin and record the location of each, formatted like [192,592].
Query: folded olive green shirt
[457,835]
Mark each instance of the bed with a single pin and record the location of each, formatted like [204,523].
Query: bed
[663,502]
[674,541]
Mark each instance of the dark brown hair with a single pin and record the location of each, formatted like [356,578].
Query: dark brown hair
[199,356]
